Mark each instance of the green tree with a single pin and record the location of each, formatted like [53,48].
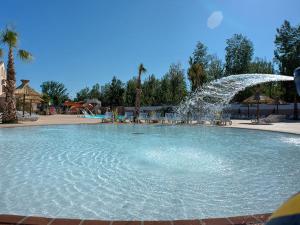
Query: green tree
[141,70]
[46,99]
[198,65]
[271,89]
[261,66]
[10,38]
[287,48]
[130,92]
[200,55]
[164,91]
[87,93]
[287,55]
[113,93]
[150,91]
[177,85]
[215,68]
[239,52]
[56,91]
[95,92]
[106,95]
[83,94]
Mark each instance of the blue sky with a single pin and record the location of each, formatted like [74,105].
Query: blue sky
[83,42]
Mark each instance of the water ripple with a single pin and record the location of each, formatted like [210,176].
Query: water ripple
[105,172]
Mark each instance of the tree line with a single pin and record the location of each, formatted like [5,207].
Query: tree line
[172,87]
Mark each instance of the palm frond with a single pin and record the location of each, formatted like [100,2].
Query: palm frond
[25,55]
[9,37]
[142,69]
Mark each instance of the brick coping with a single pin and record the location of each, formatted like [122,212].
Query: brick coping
[258,219]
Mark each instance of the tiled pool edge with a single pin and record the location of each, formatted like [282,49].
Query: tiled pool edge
[257,219]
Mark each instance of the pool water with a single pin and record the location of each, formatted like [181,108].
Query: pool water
[95,116]
[145,172]
[99,116]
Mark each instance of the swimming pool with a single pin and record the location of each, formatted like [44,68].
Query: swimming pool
[145,172]
[99,116]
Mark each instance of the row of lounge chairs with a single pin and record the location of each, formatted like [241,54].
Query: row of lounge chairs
[168,118]
[128,117]
[25,117]
[269,119]
[172,118]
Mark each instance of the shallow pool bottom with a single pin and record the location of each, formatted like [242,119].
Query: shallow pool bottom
[165,172]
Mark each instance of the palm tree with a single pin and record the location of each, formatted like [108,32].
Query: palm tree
[10,38]
[142,70]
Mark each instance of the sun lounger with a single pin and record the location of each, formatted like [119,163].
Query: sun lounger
[120,118]
[269,119]
[143,118]
[177,118]
[226,119]
[156,117]
[26,116]
[207,119]
[108,117]
[168,117]
[128,117]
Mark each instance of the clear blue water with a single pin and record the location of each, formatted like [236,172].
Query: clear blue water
[99,116]
[145,172]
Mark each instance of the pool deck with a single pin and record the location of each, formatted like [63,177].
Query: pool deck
[292,127]
[286,127]
[258,219]
[54,120]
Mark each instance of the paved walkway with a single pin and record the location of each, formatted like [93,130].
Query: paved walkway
[286,127]
[54,120]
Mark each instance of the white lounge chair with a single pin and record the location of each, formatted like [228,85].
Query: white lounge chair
[108,117]
[27,116]
[128,117]
[169,117]
[225,118]
[143,117]
[177,118]
[156,117]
